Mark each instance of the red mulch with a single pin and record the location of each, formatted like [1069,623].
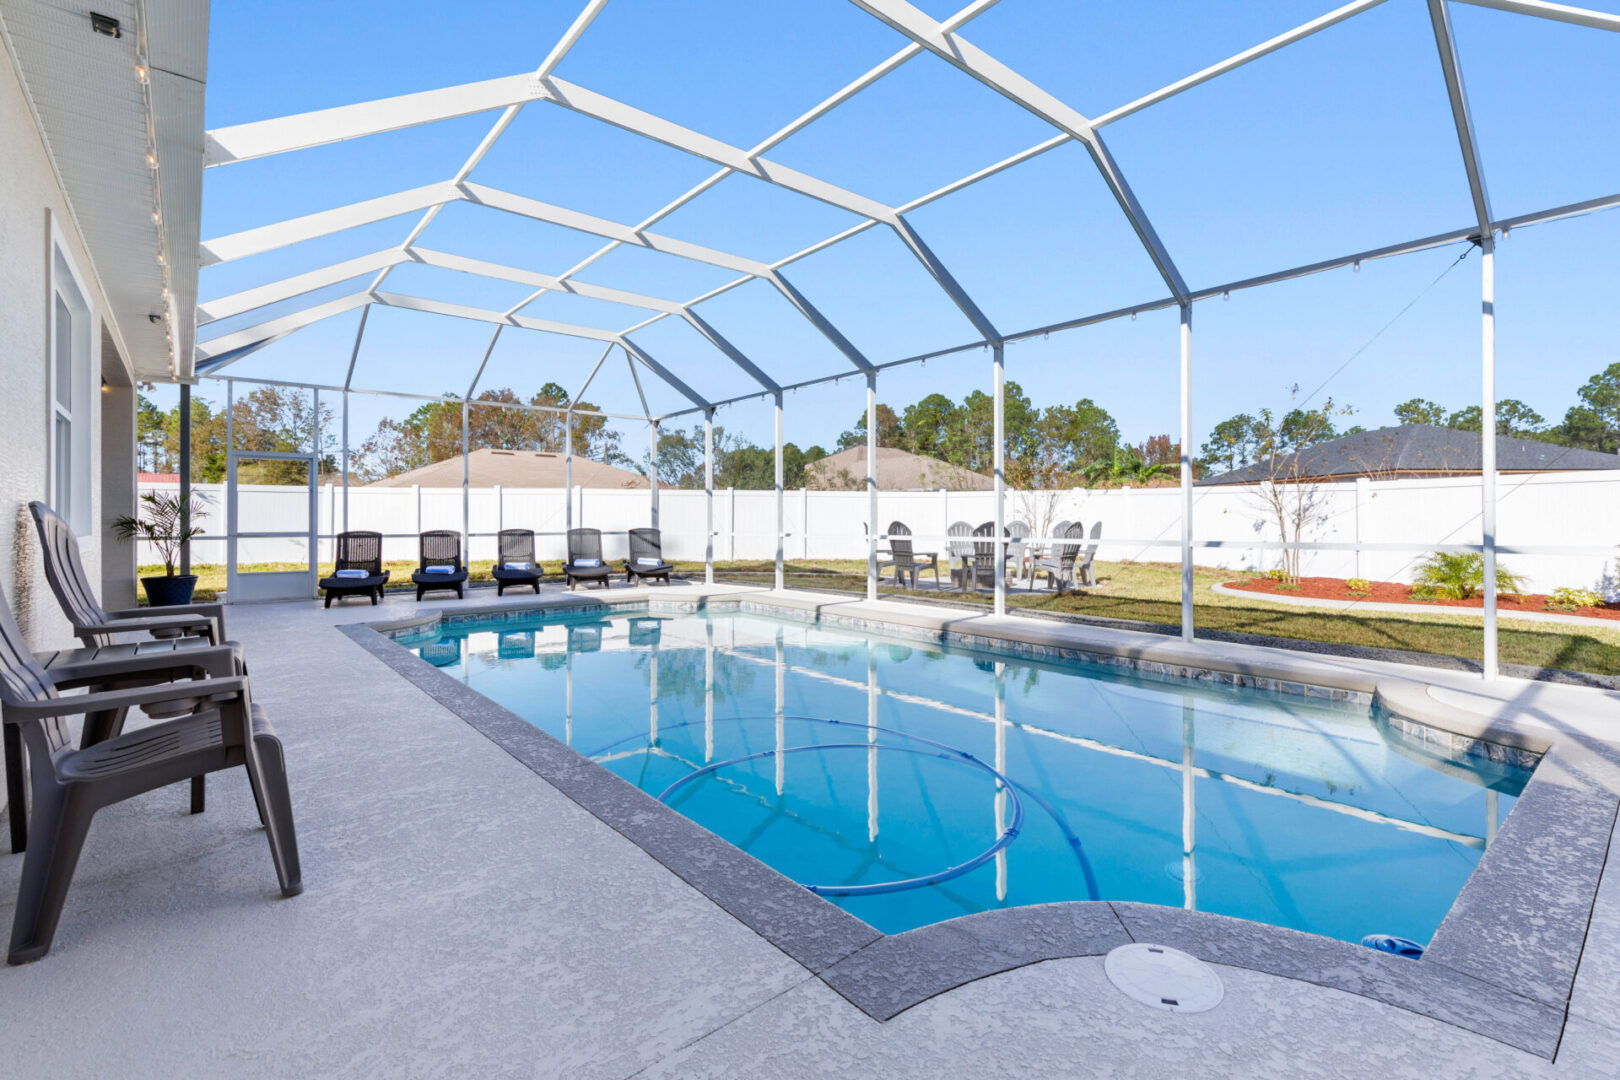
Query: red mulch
[1388,592]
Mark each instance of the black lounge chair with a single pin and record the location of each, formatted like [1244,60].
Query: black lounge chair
[214,726]
[646,557]
[357,551]
[586,545]
[93,624]
[516,565]
[440,547]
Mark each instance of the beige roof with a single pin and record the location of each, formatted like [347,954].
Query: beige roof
[515,468]
[897,470]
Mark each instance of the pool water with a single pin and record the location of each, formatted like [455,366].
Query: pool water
[911,782]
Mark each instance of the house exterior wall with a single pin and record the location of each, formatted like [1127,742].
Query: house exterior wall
[31,201]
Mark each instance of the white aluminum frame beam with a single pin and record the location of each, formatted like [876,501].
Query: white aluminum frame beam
[279,327]
[240,245]
[276,291]
[1595,20]
[1451,67]
[966,57]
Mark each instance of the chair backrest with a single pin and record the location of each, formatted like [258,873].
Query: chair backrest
[900,545]
[646,544]
[441,547]
[64,569]
[1017,530]
[960,549]
[1070,550]
[584,544]
[23,681]
[1096,532]
[984,551]
[516,545]
[359,551]
[1059,531]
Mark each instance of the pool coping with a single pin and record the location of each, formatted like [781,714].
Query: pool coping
[1502,963]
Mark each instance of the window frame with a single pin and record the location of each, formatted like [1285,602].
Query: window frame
[67,293]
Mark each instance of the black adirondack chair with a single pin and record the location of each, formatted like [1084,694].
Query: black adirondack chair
[93,624]
[217,727]
[646,556]
[440,547]
[357,550]
[585,562]
[516,565]
[984,556]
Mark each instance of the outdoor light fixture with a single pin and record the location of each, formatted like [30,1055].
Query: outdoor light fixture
[155,318]
[140,72]
[105,24]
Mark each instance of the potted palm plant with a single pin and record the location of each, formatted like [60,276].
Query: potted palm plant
[167,521]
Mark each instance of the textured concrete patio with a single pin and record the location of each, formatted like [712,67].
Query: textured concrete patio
[463,917]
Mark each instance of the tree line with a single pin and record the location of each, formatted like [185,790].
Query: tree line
[1248,438]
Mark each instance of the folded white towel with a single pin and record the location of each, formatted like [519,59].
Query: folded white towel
[517,566]
[353,573]
[642,560]
[587,562]
[438,569]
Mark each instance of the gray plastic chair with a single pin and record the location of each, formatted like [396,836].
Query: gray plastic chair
[359,550]
[1085,573]
[1059,566]
[960,550]
[905,561]
[586,544]
[1017,549]
[218,728]
[440,547]
[516,546]
[93,624]
[646,556]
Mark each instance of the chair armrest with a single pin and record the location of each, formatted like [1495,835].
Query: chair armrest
[215,612]
[216,690]
[215,661]
[139,619]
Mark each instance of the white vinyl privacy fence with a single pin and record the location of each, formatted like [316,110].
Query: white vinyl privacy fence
[1571,520]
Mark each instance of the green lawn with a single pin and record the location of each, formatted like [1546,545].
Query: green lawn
[1150,593]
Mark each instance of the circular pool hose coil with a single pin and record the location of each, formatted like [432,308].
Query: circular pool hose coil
[1008,835]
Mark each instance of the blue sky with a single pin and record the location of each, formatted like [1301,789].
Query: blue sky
[1340,143]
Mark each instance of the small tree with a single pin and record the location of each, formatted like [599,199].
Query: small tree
[160,521]
[1290,498]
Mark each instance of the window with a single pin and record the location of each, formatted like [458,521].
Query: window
[69,418]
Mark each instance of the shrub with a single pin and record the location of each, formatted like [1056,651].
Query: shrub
[1358,584]
[1279,574]
[1568,598]
[1459,575]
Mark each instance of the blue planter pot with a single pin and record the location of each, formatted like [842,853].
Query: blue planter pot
[168,591]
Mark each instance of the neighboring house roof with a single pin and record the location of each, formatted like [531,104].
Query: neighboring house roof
[157,478]
[1415,450]
[897,470]
[515,468]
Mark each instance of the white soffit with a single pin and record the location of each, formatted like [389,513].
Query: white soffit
[99,122]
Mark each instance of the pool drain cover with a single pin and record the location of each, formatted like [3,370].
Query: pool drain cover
[1164,978]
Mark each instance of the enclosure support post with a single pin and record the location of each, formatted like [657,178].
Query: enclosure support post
[1186,475]
[652,455]
[1487,443]
[185,477]
[568,475]
[345,462]
[871,486]
[780,493]
[1000,439]
[708,496]
[466,490]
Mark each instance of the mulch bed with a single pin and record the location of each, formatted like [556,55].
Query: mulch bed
[1389,592]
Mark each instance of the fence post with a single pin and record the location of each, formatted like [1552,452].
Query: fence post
[731,523]
[1363,490]
[804,520]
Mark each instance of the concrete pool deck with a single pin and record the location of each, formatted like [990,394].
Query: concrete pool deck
[464,916]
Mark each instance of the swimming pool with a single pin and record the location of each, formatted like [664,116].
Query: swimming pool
[911,782]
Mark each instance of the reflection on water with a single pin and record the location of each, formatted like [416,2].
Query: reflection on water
[1297,812]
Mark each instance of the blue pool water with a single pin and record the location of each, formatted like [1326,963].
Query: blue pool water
[935,781]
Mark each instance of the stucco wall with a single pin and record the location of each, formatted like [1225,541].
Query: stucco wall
[29,199]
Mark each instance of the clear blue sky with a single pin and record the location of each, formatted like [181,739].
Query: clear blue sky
[1337,144]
